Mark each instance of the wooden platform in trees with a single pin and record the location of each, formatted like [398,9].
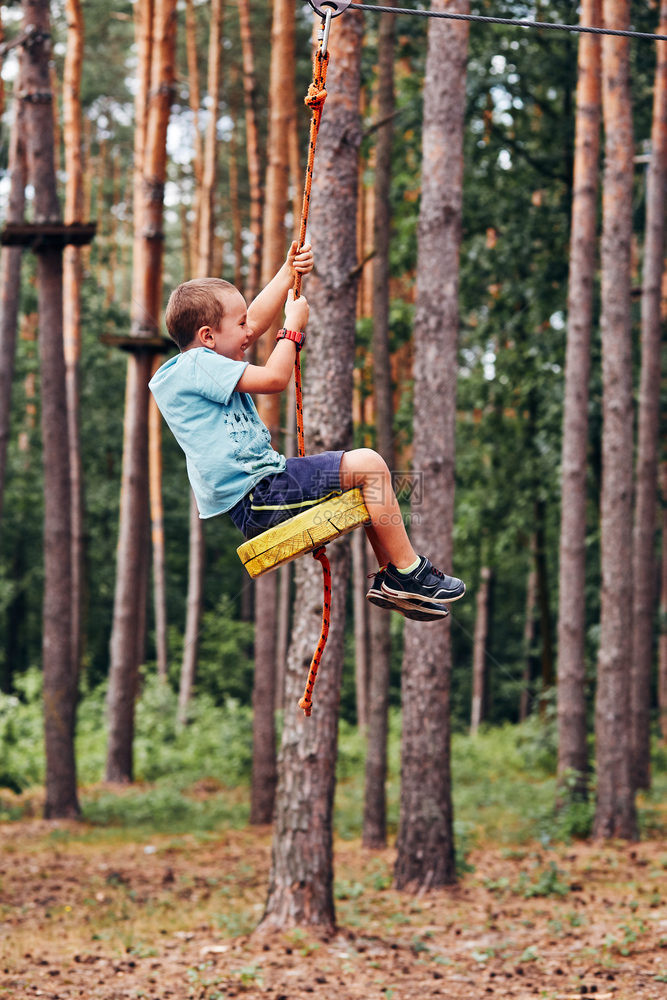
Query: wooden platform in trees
[307,531]
[156,344]
[37,235]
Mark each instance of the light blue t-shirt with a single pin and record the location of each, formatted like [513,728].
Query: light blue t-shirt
[227,447]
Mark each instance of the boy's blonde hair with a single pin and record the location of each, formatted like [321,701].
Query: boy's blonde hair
[194,304]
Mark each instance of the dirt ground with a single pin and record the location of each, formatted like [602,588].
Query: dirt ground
[89,913]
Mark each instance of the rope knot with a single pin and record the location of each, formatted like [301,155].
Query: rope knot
[315,97]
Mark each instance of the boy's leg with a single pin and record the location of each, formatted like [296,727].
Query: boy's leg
[409,580]
[386,532]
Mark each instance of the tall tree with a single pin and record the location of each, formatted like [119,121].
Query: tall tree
[60,675]
[662,641]
[572,736]
[375,810]
[156,35]
[615,809]
[157,530]
[479,650]
[72,279]
[646,480]
[194,98]
[204,257]
[252,147]
[301,881]
[426,837]
[10,278]
[281,110]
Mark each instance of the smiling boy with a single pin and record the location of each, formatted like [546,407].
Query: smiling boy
[204,395]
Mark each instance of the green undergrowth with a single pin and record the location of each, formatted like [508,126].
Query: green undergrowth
[194,779]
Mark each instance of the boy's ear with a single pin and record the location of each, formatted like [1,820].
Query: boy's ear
[204,335]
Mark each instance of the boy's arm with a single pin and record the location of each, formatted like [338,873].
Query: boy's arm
[263,309]
[275,374]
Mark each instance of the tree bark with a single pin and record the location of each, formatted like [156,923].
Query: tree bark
[252,148]
[479,651]
[281,107]
[10,266]
[615,810]
[359,605]
[374,827]
[542,580]
[152,117]
[525,702]
[425,845]
[572,737]
[662,641]
[301,881]
[374,830]
[646,475]
[72,279]
[204,257]
[60,675]
[157,530]
[209,172]
[193,611]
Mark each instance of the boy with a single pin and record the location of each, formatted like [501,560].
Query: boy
[203,394]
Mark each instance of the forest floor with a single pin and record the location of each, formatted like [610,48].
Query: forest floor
[113,914]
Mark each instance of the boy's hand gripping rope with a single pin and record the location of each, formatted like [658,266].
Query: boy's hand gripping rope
[314,99]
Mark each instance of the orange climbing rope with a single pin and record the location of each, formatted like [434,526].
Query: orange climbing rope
[314,99]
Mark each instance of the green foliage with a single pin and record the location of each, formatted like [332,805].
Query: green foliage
[225,666]
[21,736]
[549,881]
[216,746]
[163,808]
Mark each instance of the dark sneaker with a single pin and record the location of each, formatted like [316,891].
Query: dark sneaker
[425,588]
[377,596]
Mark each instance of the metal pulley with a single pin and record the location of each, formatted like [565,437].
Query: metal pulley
[327,9]
[332,7]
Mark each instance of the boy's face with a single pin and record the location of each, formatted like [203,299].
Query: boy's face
[232,337]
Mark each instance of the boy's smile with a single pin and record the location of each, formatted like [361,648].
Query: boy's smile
[232,337]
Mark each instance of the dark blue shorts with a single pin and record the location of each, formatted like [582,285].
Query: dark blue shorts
[276,498]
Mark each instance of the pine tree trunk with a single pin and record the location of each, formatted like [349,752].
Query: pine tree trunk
[157,530]
[72,279]
[662,641]
[204,256]
[281,89]
[525,702]
[646,485]
[374,827]
[252,148]
[234,203]
[615,812]
[209,171]
[542,579]
[572,736]
[374,830]
[286,571]
[479,651]
[194,100]
[301,881]
[359,605]
[193,611]
[128,636]
[60,675]
[114,255]
[10,267]
[426,837]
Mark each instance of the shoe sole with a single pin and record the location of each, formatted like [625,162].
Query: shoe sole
[408,612]
[404,600]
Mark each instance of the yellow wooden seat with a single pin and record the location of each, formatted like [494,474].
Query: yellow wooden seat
[307,531]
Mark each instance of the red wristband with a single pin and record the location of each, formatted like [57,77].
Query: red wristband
[297,336]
